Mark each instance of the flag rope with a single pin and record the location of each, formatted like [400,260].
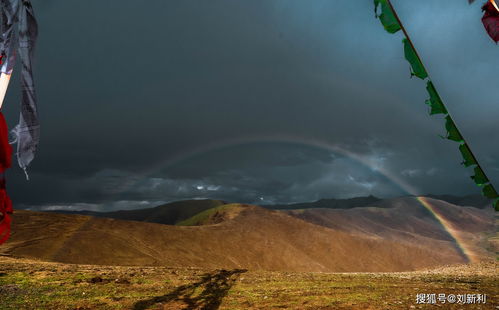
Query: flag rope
[392,24]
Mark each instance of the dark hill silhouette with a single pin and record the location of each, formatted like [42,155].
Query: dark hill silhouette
[328,204]
[169,213]
[476,201]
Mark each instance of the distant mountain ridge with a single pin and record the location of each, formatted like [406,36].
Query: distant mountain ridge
[174,213]
[169,213]
[476,201]
[357,202]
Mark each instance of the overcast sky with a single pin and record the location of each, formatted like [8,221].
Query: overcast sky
[259,101]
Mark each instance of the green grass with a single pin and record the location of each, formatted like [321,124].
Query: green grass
[202,217]
[34,285]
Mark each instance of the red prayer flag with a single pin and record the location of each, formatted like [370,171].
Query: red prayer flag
[490,20]
[5,162]
[6,210]
[5,147]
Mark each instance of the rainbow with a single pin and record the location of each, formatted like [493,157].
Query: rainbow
[455,234]
[463,248]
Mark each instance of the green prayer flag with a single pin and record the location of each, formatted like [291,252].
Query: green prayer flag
[489,191]
[480,178]
[469,160]
[412,57]
[387,16]
[435,103]
[452,131]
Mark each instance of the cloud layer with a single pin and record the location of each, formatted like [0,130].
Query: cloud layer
[137,104]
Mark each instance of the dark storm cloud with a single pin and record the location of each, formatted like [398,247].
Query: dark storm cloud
[124,87]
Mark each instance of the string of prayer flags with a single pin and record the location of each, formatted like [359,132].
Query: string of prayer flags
[392,24]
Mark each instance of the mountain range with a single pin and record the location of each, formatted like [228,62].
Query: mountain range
[385,235]
[175,212]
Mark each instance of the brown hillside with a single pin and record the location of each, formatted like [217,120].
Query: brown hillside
[255,239]
[406,220]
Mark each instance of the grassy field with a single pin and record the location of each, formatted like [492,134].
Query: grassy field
[28,284]
[209,216]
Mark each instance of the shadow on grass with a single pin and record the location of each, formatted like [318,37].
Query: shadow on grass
[215,287]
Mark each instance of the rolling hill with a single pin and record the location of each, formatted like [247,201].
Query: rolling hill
[174,213]
[169,213]
[244,236]
[405,220]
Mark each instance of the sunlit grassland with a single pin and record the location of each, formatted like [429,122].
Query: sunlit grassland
[26,284]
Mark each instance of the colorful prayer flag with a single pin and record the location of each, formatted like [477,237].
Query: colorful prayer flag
[490,19]
[480,178]
[469,159]
[387,16]
[412,57]
[5,162]
[435,103]
[452,131]
[489,192]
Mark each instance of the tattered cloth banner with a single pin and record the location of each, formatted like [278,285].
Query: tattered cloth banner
[27,133]
[390,21]
[490,18]
[17,13]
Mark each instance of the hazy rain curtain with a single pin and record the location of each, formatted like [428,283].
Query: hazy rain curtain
[19,32]
[390,21]
[490,18]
